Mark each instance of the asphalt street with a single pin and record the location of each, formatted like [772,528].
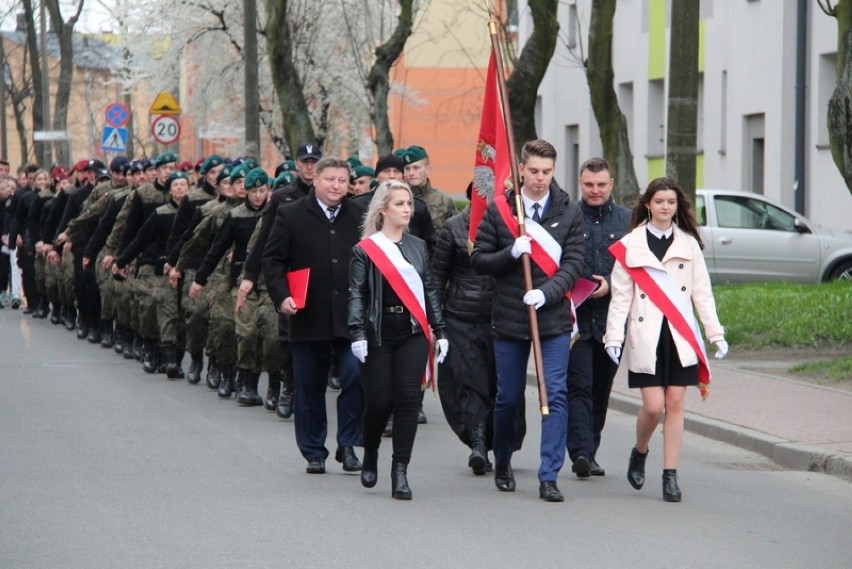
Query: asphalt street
[102,465]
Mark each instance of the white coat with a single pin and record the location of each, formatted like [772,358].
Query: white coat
[685,266]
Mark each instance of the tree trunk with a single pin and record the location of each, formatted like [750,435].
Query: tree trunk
[65,34]
[377,80]
[35,75]
[840,104]
[612,123]
[522,85]
[294,109]
[682,129]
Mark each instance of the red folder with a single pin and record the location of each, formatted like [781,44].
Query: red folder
[582,289]
[298,283]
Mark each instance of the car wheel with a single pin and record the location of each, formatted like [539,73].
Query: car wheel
[843,271]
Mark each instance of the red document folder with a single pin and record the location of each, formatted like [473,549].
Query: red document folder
[582,289]
[298,283]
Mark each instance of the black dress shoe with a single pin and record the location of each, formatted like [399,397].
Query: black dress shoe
[347,456]
[316,466]
[421,416]
[548,492]
[636,468]
[504,478]
[596,469]
[334,382]
[671,491]
[285,405]
[369,468]
[582,467]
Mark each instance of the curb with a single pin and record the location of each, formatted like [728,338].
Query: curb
[790,455]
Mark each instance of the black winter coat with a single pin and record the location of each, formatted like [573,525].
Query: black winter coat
[365,293]
[464,294]
[303,237]
[603,226]
[492,255]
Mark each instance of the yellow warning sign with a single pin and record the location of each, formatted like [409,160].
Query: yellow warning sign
[164,104]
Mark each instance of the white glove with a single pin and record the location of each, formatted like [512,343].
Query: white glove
[521,246]
[721,349]
[534,298]
[359,350]
[614,353]
[443,347]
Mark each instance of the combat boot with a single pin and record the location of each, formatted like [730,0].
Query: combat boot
[94,336]
[247,388]
[214,374]
[195,365]
[56,313]
[171,359]
[107,335]
[161,361]
[138,347]
[285,401]
[272,391]
[226,384]
[478,450]
[70,318]
[149,356]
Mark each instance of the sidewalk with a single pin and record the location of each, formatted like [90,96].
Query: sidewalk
[798,425]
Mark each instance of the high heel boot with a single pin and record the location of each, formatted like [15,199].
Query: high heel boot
[370,468]
[399,481]
[671,491]
[636,468]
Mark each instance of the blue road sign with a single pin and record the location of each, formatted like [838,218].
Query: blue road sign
[114,139]
[117,115]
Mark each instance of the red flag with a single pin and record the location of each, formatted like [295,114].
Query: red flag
[492,167]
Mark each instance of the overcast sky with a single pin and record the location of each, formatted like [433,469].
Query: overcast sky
[93,19]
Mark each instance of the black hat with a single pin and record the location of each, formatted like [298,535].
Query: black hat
[307,151]
[102,174]
[145,164]
[389,161]
[96,165]
[118,164]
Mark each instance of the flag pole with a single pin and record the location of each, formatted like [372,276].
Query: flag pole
[519,210]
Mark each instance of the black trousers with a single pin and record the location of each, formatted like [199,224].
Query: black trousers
[86,290]
[26,261]
[391,377]
[590,375]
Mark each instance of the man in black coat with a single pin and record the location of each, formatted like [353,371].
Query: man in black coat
[556,225]
[318,232]
[591,371]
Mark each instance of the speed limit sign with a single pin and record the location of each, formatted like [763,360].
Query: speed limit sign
[166,129]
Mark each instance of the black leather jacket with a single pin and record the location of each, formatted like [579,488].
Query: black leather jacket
[365,293]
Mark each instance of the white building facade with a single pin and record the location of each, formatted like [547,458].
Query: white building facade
[747,98]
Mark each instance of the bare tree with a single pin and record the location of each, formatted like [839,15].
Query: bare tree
[18,92]
[38,85]
[612,123]
[840,104]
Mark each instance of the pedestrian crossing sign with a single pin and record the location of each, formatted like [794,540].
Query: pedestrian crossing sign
[114,139]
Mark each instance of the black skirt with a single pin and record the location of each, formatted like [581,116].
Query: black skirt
[669,370]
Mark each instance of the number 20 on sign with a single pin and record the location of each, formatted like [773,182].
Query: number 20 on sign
[165,129]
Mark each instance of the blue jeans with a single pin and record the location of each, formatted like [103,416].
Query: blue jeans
[311,361]
[511,357]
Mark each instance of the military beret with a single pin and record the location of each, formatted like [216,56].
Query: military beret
[224,173]
[59,172]
[118,164]
[184,166]
[283,179]
[361,171]
[102,174]
[210,162]
[238,172]
[95,165]
[198,164]
[256,178]
[400,153]
[145,164]
[79,166]
[354,162]
[414,154]
[139,166]
[249,161]
[286,166]
[176,175]
[164,158]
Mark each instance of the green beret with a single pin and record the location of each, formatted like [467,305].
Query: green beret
[164,158]
[283,179]
[238,172]
[286,166]
[400,153]
[354,162]
[361,171]
[223,173]
[256,178]
[176,175]
[414,154]
[210,162]
[249,161]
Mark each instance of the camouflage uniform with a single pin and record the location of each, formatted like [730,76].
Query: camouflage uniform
[441,205]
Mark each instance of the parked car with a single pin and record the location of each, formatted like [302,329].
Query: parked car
[750,238]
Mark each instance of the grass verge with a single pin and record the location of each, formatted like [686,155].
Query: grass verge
[838,369]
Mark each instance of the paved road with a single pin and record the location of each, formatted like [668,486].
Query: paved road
[102,465]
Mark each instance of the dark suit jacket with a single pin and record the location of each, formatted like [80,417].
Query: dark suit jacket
[302,237]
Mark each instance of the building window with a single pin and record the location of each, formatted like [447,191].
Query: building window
[656,117]
[572,160]
[723,114]
[573,26]
[537,114]
[754,150]
[625,101]
[699,132]
[827,82]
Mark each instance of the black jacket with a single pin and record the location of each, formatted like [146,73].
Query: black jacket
[603,226]
[106,223]
[302,237]
[185,220]
[465,295]
[492,255]
[150,241]
[236,230]
[365,293]
[421,224]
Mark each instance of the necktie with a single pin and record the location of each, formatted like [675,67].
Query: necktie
[536,215]
[332,213]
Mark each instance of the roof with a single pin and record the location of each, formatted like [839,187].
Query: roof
[89,51]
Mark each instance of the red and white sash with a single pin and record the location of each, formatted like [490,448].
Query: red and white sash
[544,250]
[405,281]
[662,291]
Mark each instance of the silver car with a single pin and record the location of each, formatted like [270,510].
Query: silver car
[750,238]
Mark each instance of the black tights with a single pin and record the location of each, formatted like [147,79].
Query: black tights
[391,378]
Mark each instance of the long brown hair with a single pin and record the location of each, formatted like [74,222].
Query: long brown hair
[684,218]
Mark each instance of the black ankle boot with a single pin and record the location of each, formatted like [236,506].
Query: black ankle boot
[671,491]
[636,468]
[399,481]
[247,388]
[107,334]
[149,356]
[226,384]
[370,468]
[273,388]
[138,349]
[504,478]
[195,365]
[214,374]
[478,450]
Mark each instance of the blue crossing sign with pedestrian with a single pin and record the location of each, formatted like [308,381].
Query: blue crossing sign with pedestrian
[117,115]
[114,139]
